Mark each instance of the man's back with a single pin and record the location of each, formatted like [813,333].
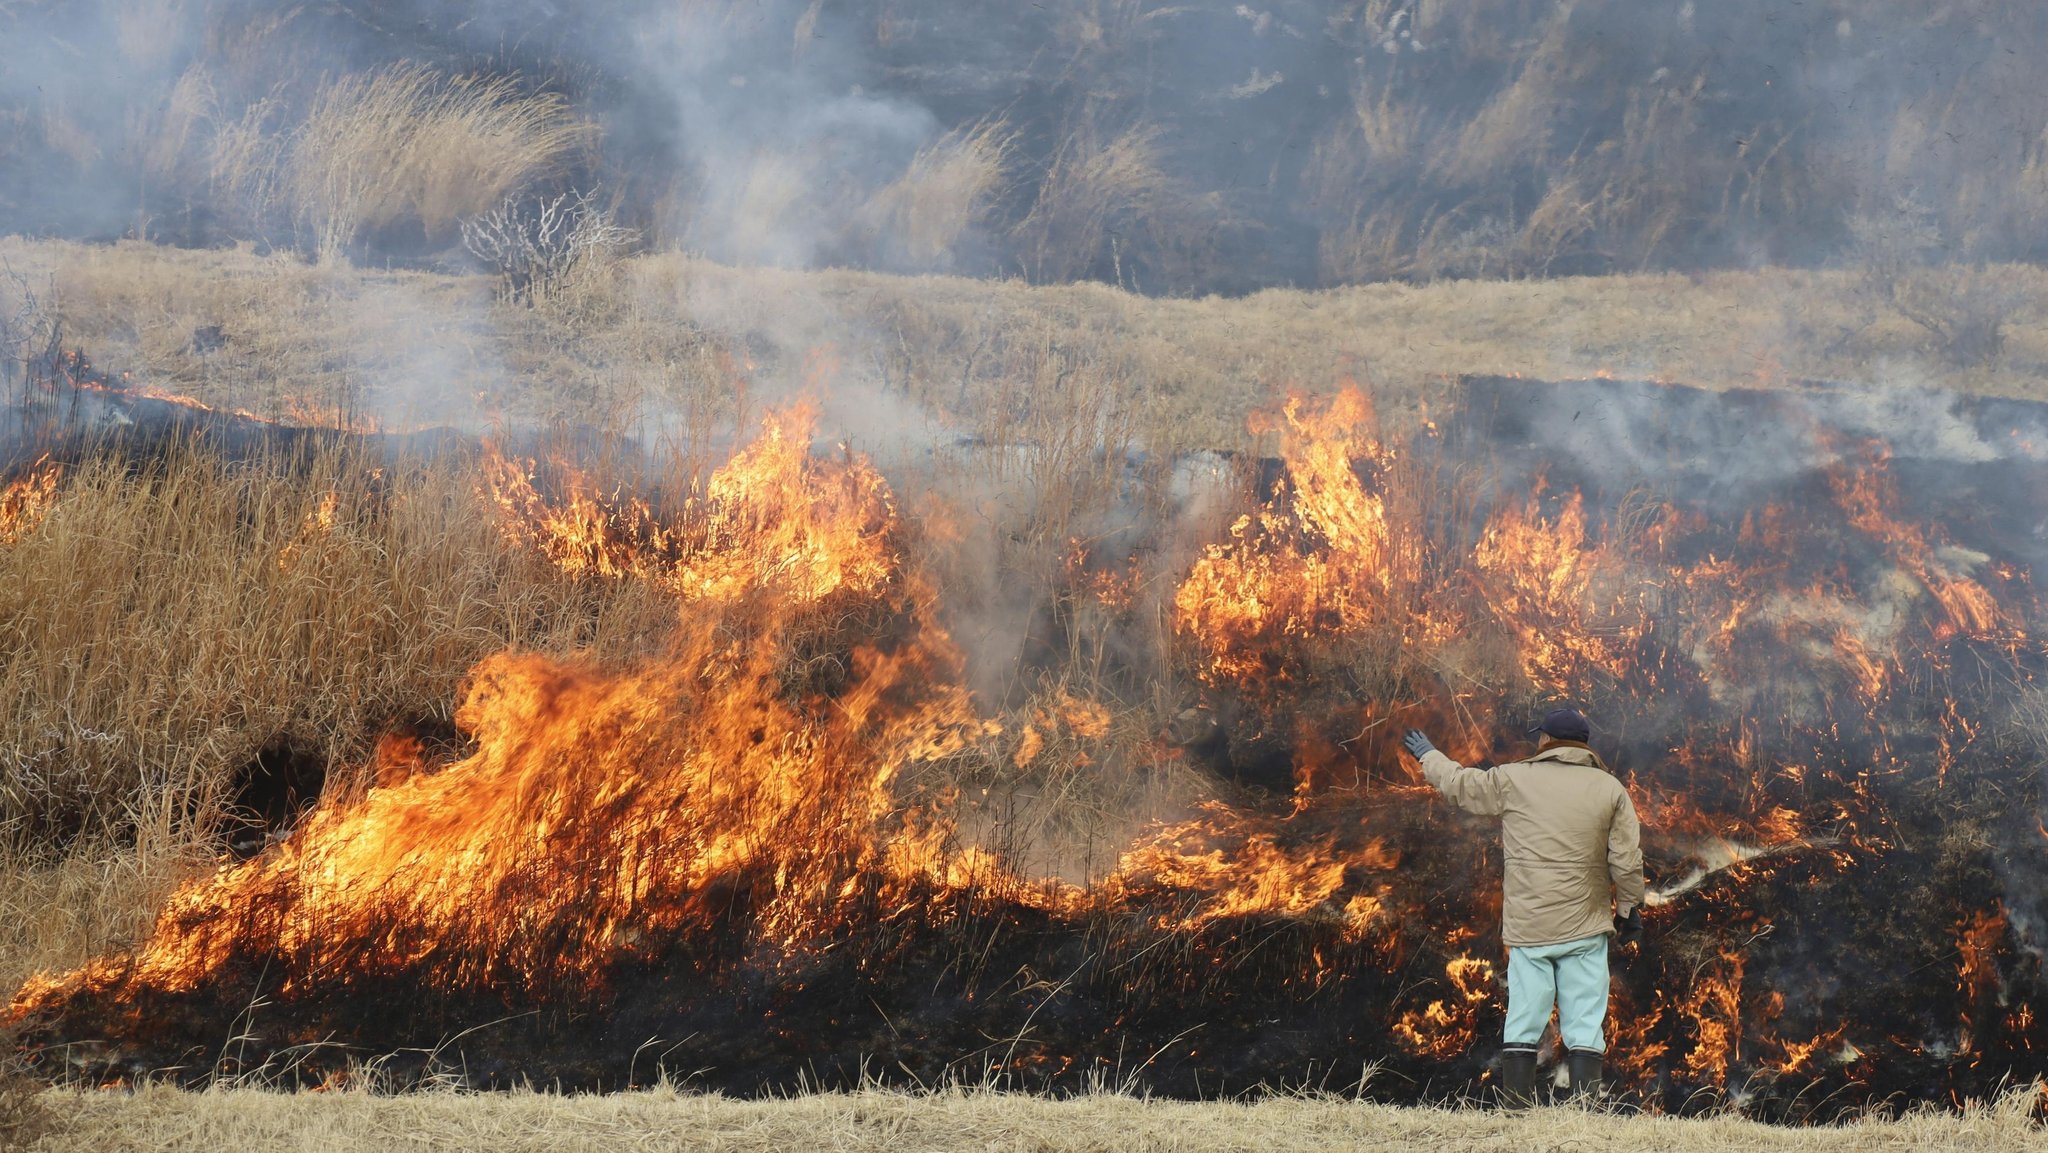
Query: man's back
[1571,840]
[1568,831]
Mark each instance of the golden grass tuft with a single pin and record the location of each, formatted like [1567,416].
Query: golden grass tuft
[921,217]
[1093,188]
[401,143]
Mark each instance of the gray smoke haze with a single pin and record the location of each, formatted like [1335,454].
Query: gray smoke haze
[1210,146]
[777,147]
[1737,444]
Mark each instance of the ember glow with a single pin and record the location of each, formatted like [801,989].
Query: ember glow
[739,851]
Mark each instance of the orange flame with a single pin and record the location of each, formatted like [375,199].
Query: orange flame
[1448,1026]
[763,759]
[608,807]
[26,500]
[1319,558]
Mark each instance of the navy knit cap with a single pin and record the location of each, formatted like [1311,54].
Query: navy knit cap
[1565,725]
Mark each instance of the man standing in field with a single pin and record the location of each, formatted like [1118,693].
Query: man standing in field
[1573,877]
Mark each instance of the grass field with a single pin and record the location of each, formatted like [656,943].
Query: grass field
[252,1121]
[667,333]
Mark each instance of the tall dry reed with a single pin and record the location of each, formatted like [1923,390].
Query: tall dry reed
[169,620]
[404,143]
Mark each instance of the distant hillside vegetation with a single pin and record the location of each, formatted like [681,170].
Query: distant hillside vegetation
[1205,145]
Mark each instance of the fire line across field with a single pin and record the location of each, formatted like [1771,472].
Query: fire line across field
[1803,623]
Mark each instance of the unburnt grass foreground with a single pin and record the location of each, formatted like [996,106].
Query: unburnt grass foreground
[164,1120]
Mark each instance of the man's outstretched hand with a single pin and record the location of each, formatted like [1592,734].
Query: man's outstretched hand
[1628,930]
[1417,744]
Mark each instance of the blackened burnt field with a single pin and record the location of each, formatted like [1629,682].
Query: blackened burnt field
[1803,623]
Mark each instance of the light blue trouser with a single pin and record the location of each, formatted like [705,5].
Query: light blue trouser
[1573,975]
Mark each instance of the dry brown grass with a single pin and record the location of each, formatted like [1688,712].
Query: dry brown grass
[665,331]
[392,348]
[1095,189]
[62,909]
[401,143]
[24,1112]
[1528,137]
[919,219]
[255,1121]
[164,625]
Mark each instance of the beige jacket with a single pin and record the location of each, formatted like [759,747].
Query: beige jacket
[1569,832]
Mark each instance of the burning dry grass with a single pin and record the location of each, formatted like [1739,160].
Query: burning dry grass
[184,615]
[58,912]
[747,775]
[192,643]
[246,1119]
[181,640]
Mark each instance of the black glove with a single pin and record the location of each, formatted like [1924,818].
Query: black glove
[1417,744]
[1628,930]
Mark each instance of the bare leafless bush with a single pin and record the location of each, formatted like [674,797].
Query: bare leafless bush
[28,329]
[1964,307]
[538,246]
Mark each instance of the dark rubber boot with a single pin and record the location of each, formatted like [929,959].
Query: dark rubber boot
[1517,1077]
[1588,1081]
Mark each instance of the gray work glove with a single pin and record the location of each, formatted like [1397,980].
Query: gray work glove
[1417,744]
[1628,930]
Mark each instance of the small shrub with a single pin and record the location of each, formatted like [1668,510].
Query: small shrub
[28,328]
[1963,307]
[538,246]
